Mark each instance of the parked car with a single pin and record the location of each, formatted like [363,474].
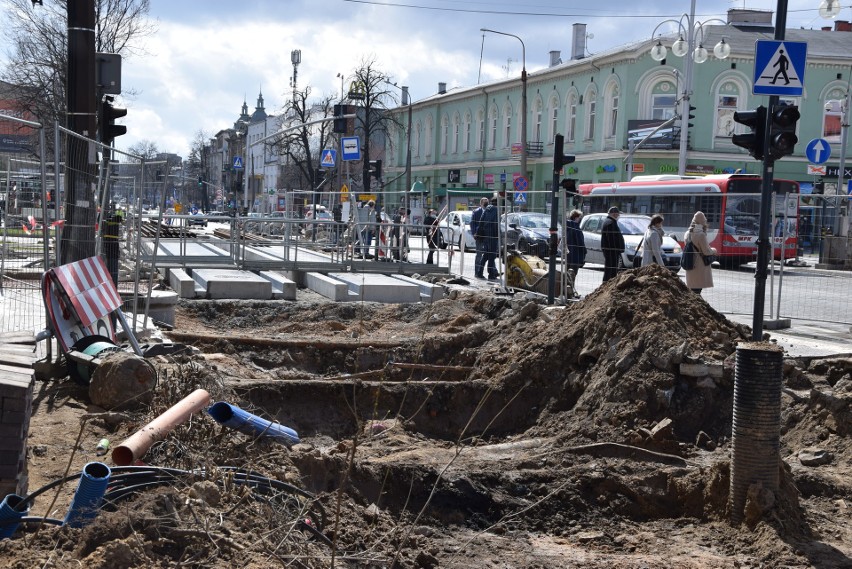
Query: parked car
[455,228]
[528,232]
[633,228]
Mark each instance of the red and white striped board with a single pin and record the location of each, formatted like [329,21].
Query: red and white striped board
[80,297]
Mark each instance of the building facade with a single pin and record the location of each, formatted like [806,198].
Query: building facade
[465,143]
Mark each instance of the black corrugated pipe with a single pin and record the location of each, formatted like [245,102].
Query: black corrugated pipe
[755,458]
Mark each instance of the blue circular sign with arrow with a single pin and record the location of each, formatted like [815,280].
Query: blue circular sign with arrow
[818,151]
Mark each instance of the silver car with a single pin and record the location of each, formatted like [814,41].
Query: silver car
[633,228]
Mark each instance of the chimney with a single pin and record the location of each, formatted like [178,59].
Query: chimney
[842,26]
[442,88]
[555,58]
[578,41]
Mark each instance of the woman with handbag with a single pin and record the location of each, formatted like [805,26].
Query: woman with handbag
[699,273]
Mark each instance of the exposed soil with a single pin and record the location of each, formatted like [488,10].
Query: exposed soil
[479,431]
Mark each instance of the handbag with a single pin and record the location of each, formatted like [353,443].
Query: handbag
[708,260]
[687,260]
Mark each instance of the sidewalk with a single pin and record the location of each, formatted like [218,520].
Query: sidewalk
[806,338]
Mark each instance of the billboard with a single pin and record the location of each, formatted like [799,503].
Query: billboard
[667,138]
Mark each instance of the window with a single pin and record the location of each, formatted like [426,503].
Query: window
[726,106]
[430,132]
[507,127]
[612,115]
[554,120]
[537,123]
[480,130]
[456,133]
[445,134]
[467,132]
[493,129]
[417,129]
[663,106]
[832,117]
[572,119]
[591,113]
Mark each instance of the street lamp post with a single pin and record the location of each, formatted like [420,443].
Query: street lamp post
[692,30]
[523,97]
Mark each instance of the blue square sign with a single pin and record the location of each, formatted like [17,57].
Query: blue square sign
[779,67]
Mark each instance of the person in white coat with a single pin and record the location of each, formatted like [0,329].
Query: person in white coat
[652,242]
[700,276]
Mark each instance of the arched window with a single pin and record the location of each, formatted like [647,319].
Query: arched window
[537,121]
[832,117]
[468,127]
[456,133]
[553,115]
[663,100]
[571,119]
[428,135]
[493,120]
[417,132]
[727,103]
[507,126]
[612,98]
[445,134]
[590,103]
[480,129]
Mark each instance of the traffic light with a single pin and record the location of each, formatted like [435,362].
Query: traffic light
[782,130]
[569,185]
[200,182]
[752,141]
[819,188]
[690,116]
[339,122]
[376,169]
[108,129]
[560,159]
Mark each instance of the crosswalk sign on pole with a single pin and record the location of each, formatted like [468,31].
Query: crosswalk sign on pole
[779,67]
[520,197]
[328,159]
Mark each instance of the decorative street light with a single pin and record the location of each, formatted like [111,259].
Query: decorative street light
[829,9]
[694,32]
[523,97]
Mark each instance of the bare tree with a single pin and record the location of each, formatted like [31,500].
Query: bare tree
[373,119]
[301,148]
[38,48]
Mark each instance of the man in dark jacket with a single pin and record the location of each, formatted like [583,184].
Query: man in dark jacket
[612,243]
[489,229]
[476,216]
[430,224]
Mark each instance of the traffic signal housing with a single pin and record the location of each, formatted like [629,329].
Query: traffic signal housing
[559,158]
[782,130]
[339,121]
[752,141]
[108,129]
[200,182]
[376,169]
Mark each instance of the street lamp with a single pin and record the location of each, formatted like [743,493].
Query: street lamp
[694,32]
[829,9]
[523,97]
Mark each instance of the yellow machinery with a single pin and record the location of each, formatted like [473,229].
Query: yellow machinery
[530,273]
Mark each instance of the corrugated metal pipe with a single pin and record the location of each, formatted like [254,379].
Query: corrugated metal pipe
[756,435]
[12,510]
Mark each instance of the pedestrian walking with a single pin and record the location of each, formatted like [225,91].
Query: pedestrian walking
[476,216]
[430,224]
[700,275]
[612,243]
[575,241]
[652,242]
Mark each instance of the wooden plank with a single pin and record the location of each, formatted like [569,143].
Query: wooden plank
[17,372]
[18,337]
[20,349]
[18,360]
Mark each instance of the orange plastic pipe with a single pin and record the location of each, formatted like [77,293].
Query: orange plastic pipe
[138,444]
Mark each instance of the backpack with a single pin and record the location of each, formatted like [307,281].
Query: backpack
[687,260]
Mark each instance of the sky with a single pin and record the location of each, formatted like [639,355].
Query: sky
[207,56]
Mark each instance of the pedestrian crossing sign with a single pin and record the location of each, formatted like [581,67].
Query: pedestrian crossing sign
[329,157]
[520,197]
[779,67]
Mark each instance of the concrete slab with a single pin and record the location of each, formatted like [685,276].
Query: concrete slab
[429,292]
[329,287]
[371,287]
[282,287]
[229,284]
[181,283]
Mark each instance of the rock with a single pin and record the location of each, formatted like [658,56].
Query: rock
[814,457]
[206,491]
[371,512]
[662,430]
[759,500]
[703,440]
[702,370]
[123,381]
[587,536]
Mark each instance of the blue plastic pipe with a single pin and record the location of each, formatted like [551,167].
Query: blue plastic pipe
[10,516]
[235,418]
[90,492]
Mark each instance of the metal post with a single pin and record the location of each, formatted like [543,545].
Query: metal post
[844,128]
[687,92]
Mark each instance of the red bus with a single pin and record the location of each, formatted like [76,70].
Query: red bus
[731,203]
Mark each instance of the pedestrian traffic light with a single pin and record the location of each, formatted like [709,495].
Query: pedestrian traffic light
[108,129]
[376,169]
[560,159]
[782,130]
[339,121]
[752,141]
